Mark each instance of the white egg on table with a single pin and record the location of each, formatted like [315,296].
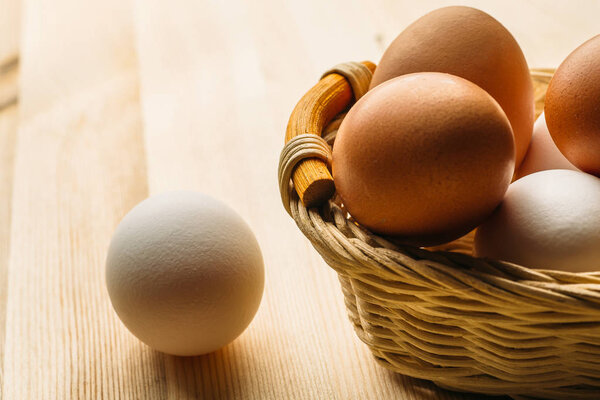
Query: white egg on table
[184,273]
[548,220]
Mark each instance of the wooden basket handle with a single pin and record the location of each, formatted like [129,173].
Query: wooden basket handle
[330,96]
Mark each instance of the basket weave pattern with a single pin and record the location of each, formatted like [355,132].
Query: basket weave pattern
[467,324]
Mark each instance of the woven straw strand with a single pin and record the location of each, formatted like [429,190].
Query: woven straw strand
[297,149]
[357,74]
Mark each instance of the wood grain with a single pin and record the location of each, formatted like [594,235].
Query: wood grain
[9,71]
[10,25]
[121,99]
[8,129]
[79,166]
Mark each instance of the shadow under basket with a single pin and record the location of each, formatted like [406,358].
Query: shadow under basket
[467,324]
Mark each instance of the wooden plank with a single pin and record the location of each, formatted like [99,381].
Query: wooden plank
[8,129]
[218,83]
[79,167]
[9,71]
[10,25]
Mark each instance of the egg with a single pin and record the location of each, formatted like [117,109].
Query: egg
[469,43]
[424,157]
[549,220]
[573,107]
[543,153]
[184,273]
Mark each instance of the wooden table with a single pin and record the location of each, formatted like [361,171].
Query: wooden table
[103,103]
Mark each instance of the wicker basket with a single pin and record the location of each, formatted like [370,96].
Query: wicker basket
[465,323]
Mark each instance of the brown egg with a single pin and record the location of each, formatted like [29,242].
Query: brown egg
[424,157]
[543,153]
[573,107]
[469,43]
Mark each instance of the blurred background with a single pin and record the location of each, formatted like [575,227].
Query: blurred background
[103,103]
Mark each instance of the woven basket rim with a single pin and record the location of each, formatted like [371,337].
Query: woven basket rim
[335,233]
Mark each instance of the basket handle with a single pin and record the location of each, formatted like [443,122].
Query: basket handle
[330,96]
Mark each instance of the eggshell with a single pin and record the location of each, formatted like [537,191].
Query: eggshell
[425,157]
[573,107]
[469,43]
[549,219]
[184,273]
[543,153]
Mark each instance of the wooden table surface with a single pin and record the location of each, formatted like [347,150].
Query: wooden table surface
[103,103]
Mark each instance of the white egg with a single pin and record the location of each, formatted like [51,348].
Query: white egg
[542,153]
[549,220]
[184,273]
